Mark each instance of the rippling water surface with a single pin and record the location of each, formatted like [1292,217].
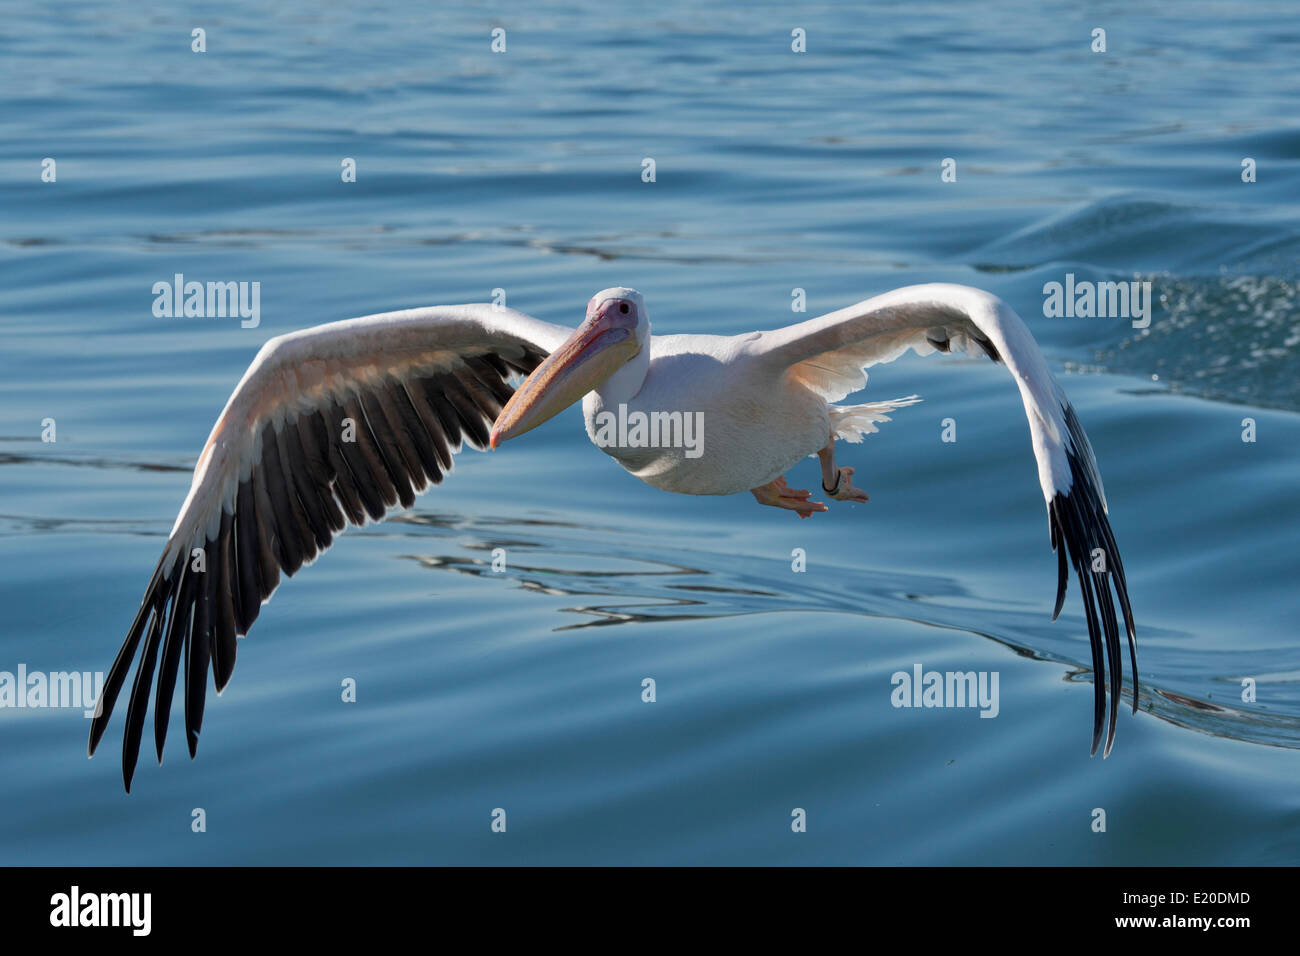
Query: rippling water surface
[522,171]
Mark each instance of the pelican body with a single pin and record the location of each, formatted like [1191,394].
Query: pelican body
[752,431]
[338,424]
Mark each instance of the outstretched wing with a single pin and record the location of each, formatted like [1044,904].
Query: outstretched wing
[828,355]
[329,426]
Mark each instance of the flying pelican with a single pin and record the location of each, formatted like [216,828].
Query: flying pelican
[336,424]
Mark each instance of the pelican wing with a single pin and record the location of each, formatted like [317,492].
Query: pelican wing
[829,355]
[330,426]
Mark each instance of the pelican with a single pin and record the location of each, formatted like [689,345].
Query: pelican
[338,424]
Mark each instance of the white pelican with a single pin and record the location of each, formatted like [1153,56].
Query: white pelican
[339,423]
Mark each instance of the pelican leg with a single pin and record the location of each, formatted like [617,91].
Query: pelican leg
[778,494]
[838,482]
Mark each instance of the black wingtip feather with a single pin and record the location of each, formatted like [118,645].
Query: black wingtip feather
[171,655]
[224,623]
[139,701]
[1079,525]
[122,663]
[1062,566]
[197,655]
[296,497]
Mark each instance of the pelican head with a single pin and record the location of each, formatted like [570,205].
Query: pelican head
[615,331]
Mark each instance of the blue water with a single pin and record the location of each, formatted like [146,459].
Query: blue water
[775,171]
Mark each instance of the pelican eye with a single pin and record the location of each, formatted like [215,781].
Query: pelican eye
[622,307]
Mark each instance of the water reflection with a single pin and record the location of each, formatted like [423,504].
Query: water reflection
[647,584]
[621,576]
